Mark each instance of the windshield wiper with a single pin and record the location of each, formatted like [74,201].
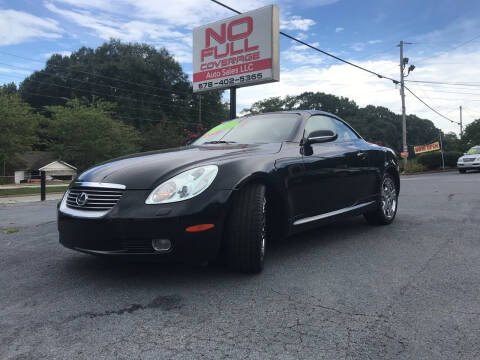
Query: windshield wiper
[219,142]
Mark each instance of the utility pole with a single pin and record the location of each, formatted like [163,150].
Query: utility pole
[461,123]
[402,94]
[200,109]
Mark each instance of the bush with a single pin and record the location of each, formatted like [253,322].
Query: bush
[413,167]
[451,158]
[433,160]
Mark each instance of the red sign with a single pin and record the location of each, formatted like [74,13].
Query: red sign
[239,51]
[404,154]
[425,148]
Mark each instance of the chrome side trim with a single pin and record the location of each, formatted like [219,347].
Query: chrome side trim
[332,213]
[99,185]
[79,213]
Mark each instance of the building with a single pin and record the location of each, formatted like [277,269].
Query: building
[29,165]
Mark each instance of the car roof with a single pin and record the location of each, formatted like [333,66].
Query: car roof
[300,112]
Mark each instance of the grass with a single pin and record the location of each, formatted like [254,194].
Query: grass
[31,191]
[10,230]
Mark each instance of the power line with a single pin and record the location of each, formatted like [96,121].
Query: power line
[445,83]
[317,49]
[465,43]
[431,108]
[449,92]
[100,76]
[115,115]
[61,77]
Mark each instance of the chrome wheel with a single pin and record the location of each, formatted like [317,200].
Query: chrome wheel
[389,198]
[263,231]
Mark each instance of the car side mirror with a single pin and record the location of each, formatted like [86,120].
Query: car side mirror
[320,136]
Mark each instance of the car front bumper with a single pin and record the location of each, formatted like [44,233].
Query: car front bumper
[130,226]
[468,165]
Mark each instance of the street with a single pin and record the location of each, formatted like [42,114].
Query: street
[410,290]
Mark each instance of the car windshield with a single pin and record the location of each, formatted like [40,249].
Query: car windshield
[253,130]
[474,150]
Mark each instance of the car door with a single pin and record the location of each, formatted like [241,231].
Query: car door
[328,181]
[359,159]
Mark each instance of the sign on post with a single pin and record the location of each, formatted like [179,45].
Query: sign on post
[239,51]
[426,148]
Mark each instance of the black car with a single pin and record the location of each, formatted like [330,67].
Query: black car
[242,184]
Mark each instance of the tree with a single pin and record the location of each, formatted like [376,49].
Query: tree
[471,135]
[84,134]
[18,124]
[147,85]
[375,123]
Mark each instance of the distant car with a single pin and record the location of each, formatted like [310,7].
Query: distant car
[242,184]
[470,160]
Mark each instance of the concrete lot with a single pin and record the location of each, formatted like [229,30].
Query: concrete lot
[410,290]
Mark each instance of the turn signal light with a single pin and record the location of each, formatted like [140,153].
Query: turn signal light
[200,227]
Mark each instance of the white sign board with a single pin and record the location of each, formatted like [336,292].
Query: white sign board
[239,51]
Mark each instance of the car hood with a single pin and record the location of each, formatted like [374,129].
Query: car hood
[146,170]
[469,157]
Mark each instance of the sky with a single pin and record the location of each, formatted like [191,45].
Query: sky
[444,37]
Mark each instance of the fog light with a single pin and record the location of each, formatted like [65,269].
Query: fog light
[162,245]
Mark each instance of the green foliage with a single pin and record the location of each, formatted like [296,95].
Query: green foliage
[18,124]
[147,85]
[433,160]
[375,123]
[8,89]
[471,135]
[413,167]
[451,158]
[86,134]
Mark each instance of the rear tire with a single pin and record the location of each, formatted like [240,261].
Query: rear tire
[246,231]
[386,210]
[462,171]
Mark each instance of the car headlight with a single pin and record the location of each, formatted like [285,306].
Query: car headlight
[184,186]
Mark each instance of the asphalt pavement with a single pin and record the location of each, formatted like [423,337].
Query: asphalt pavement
[410,290]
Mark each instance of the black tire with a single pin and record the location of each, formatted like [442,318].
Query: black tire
[462,171]
[246,230]
[387,205]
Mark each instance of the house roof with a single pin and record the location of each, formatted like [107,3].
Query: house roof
[35,160]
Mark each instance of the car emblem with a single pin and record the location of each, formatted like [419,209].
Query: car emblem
[82,199]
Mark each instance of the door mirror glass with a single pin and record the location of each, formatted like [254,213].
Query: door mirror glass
[321,136]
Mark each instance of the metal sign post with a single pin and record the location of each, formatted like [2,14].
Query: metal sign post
[233,102]
[441,150]
[43,181]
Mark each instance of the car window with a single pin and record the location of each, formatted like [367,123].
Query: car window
[321,122]
[474,150]
[253,129]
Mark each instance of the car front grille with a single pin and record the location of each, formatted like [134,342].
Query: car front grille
[468,160]
[93,199]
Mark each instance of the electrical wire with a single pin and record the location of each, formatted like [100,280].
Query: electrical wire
[317,49]
[431,108]
[100,76]
[445,83]
[194,122]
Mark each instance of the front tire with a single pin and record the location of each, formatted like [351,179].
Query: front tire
[462,171]
[387,203]
[246,233]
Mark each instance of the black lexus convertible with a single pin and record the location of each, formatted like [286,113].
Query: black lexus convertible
[241,185]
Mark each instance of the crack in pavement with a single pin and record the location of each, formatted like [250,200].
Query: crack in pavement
[165,303]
